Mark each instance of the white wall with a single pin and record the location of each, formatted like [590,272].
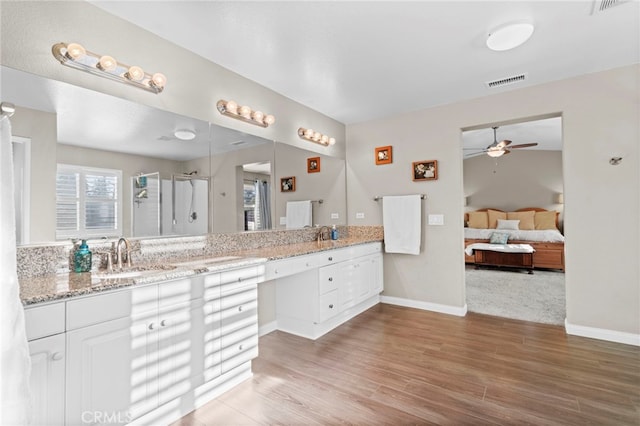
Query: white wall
[600,120]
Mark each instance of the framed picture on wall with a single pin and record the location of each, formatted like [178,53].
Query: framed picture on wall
[288,184]
[425,170]
[383,155]
[313,165]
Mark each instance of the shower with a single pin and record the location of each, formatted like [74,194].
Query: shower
[190,176]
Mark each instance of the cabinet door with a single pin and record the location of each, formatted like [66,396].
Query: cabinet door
[110,379]
[372,276]
[180,349]
[47,380]
[377,274]
[349,285]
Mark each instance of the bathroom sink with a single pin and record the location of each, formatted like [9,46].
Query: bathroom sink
[134,271]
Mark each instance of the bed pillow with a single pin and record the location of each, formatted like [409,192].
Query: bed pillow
[478,220]
[499,238]
[494,215]
[526,219]
[545,220]
[508,224]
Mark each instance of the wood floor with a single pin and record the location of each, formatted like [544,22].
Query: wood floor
[394,366]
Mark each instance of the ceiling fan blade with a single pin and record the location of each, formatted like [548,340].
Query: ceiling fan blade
[524,145]
[504,143]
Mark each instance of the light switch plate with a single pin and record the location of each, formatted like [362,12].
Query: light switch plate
[283,220]
[436,219]
[359,215]
[335,216]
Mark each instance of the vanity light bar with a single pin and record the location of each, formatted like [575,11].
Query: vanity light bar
[316,137]
[76,56]
[244,113]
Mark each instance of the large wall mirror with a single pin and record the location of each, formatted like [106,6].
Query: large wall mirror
[120,168]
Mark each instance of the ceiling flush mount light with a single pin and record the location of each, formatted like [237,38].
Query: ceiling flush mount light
[245,113]
[184,134]
[75,56]
[509,36]
[316,137]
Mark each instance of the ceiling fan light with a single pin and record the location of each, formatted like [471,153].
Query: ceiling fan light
[509,36]
[496,153]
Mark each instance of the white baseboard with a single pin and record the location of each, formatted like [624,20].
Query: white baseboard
[426,306]
[602,334]
[268,328]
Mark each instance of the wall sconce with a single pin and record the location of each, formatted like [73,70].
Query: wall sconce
[75,56]
[245,113]
[316,137]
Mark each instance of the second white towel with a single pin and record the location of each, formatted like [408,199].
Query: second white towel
[402,220]
[298,214]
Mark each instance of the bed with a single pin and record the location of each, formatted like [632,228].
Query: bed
[535,226]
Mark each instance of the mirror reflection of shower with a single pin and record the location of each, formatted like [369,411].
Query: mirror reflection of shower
[189,203]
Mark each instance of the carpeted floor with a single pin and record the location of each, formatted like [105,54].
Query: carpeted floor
[515,294]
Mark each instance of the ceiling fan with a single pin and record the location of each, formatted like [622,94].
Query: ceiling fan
[498,149]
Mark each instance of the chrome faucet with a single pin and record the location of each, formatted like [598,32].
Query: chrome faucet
[119,253]
[321,233]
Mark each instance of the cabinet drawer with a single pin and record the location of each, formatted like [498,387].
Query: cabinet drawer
[178,291]
[109,306]
[328,305]
[286,267]
[211,284]
[327,279]
[239,347]
[239,314]
[233,281]
[43,321]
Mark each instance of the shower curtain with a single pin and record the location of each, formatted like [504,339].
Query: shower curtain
[263,204]
[15,364]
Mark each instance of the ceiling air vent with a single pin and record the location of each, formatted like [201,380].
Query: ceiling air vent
[602,5]
[506,81]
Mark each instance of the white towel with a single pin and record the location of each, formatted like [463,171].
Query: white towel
[298,214]
[401,216]
[15,364]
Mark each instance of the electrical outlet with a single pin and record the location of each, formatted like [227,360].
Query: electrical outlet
[359,215]
[335,216]
[436,219]
[283,220]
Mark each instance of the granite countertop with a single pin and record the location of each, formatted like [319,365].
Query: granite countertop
[54,287]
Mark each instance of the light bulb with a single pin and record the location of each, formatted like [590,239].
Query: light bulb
[232,107]
[245,111]
[107,63]
[269,119]
[309,133]
[158,80]
[75,51]
[495,153]
[135,73]
[257,116]
[325,139]
[332,141]
[509,36]
[316,136]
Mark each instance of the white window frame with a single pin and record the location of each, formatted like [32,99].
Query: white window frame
[80,231]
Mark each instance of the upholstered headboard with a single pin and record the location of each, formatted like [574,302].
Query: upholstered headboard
[526,209]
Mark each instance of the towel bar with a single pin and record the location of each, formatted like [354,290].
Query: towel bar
[379,197]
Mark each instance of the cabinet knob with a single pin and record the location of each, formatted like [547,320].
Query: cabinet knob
[57,356]
[240,347]
[152,326]
[239,279]
[330,258]
[331,306]
[163,323]
[240,308]
[330,278]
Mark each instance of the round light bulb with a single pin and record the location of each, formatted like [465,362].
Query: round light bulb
[332,141]
[509,36]
[107,63]
[309,133]
[232,107]
[495,153]
[158,80]
[75,51]
[269,119]
[257,116]
[135,73]
[317,136]
[325,139]
[245,111]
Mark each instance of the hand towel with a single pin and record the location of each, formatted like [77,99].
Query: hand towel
[402,220]
[298,214]
[15,363]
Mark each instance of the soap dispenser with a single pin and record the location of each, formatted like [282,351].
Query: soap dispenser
[334,232]
[82,258]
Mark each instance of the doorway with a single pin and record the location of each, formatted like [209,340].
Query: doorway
[22,187]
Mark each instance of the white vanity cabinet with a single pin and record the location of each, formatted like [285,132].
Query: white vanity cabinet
[345,282]
[45,333]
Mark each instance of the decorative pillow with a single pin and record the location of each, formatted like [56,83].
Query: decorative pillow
[526,219]
[499,238]
[494,215]
[508,224]
[545,220]
[478,220]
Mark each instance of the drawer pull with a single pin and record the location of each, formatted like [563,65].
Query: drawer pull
[330,278]
[163,323]
[152,326]
[239,279]
[330,258]
[240,308]
[57,356]
[331,306]
[240,347]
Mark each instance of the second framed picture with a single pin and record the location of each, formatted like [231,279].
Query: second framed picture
[288,184]
[425,170]
[313,165]
[383,155]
